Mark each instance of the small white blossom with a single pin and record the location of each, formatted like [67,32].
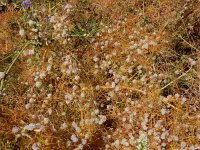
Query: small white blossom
[183,144]
[48,68]
[68,6]
[192,62]
[46,120]
[130,70]
[77,78]
[163,111]
[102,119]
[74,138]
[124,142]
[97,87]
[36,146]
[22,32]
[31,100]
[84,141]
[15,130]
[158,124]
[192,147]
[78,129]
[28,106]
[164,134]
[31,52]
[175,138]
[2,75]
[117,44]
[177,95]
[82,95]
[124,119]
[49,111]
[74,125]
[96,111]
[132,141]
[152,43]
[116,143]
[183,100]
[49,95]
[63,126]
[39,127]
[145,46]
[143,124]
[18,136]
[63,113]
[38,84]
[42,75]
[113,85]
[95,59]
[30,22]
[30,127]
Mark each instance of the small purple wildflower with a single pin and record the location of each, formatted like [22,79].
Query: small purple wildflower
[46,19]
[26,4]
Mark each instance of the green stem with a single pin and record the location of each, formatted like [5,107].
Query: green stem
[13,62]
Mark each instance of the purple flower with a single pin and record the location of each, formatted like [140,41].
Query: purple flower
[26,4]
[46,19]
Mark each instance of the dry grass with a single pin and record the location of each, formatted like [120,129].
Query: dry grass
[97,85]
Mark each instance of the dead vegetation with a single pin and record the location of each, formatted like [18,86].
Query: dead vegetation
[124,75]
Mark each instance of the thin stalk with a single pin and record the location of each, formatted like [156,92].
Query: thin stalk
[176,79]
[13,62]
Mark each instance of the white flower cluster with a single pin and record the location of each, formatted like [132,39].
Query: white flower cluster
[34,127]
[114,86]
[142,142]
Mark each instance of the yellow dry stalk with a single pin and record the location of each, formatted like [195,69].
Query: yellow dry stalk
[46,51]
[182,75]
[174,107]
[198,69]
[156,93]
[123,87]
[44,55]
[61,83]
[90,127]
[81,110]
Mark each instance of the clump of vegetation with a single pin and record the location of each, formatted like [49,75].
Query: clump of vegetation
[90,74]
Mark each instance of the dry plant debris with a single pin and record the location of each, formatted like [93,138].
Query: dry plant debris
[100,75]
